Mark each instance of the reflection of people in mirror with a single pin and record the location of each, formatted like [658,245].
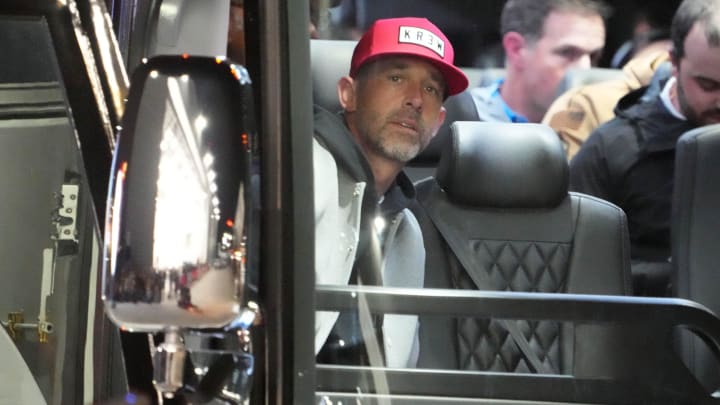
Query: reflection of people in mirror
[185,301]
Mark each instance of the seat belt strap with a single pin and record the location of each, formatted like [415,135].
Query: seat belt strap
[459,248]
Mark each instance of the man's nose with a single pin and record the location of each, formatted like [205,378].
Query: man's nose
[414,96]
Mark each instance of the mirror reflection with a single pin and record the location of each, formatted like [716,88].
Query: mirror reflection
[179,220]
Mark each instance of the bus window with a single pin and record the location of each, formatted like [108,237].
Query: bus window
[50,240]
[294,362]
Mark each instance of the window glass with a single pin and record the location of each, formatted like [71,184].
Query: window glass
[49,234]
[353,249]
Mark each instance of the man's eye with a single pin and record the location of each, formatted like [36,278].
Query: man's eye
[432,90]
[394,78]
[708,85]
[570,53]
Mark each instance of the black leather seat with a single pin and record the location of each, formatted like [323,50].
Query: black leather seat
[498,216]
[695,227]
[330,61]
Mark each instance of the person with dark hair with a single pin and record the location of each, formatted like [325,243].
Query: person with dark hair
[401,72]
[650,30]
[644,60]
[581,109]
[630,160]
[542,39]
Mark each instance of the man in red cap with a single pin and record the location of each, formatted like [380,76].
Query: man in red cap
[401,72]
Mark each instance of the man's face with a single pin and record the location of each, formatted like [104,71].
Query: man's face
[698,79]
[569,41]
[397,107]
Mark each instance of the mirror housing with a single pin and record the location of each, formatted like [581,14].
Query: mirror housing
[182,225]
[181,230]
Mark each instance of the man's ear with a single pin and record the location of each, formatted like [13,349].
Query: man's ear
[514,43]
[675,62]
[346,93]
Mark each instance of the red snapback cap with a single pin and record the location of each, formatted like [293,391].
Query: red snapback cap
[410,36]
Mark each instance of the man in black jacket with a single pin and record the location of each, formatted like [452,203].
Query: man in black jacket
[630,160]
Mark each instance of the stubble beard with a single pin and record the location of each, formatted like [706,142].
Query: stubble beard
[684,105]
[695,118]
[398,147]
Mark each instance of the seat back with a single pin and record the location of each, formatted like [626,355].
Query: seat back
[481,77]
[498,216]
[330,61]
[582,77]
[695,225]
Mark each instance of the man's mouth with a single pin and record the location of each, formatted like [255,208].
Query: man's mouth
[407,124]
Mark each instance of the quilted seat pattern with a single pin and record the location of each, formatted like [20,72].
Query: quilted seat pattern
[485,344]
[498,216]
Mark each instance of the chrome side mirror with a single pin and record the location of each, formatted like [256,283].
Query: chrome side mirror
[181,232]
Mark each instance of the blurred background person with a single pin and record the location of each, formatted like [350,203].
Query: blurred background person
[542,39]
[650,30]
[578,111]
[630,160]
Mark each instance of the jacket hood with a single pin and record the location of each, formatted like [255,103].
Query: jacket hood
[331,131]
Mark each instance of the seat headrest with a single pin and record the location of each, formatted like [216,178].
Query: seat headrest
[329,60]
[486,76]
[504,165]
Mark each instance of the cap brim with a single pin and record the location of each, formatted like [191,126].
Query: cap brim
[455,79]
